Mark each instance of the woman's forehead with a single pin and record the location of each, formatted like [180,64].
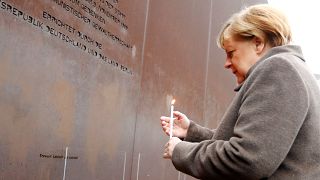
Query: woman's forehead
[228,43]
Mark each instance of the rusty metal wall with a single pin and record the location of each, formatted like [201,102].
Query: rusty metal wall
[174,67]
[91,78]
[69,78]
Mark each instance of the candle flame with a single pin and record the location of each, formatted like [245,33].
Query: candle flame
[173,101]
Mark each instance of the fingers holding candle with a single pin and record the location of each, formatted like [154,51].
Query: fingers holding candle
[165,124]
[180,124]
[169,147]
[166,151]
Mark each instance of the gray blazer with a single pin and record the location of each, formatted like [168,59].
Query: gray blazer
[271,129]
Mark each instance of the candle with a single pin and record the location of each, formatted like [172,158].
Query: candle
[171,117]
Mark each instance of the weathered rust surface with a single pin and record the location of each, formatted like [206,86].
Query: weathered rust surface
[66,83]
[95,75]
[174,67]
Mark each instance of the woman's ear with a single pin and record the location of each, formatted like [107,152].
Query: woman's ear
[259,44]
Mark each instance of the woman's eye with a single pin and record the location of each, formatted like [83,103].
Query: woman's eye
[230,54]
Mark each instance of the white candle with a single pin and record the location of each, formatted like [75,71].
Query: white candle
[171,117]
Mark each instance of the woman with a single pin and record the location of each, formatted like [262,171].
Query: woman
[271,129]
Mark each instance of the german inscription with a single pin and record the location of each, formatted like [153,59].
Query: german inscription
[57,156]
[74,37]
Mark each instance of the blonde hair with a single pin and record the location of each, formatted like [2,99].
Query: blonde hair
[262,21]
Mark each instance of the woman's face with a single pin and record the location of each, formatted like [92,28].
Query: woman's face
[241,55]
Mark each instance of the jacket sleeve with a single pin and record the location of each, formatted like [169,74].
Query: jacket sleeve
[197,133]
[273,107]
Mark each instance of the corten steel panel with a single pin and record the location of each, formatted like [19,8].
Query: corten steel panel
[69,77]
[174,67]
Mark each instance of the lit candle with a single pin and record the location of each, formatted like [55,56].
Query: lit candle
[171,117]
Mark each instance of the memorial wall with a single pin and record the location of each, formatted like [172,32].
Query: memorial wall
[84,82]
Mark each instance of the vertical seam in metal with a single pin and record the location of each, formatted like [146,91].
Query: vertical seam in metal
[138,167]
[139,91]
[65,164]
[207,63]
[124,165]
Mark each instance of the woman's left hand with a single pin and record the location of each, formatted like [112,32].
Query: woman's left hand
[168,148]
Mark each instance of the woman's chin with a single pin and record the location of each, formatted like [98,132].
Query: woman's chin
[240,80]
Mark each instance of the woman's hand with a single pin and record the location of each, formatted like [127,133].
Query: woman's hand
[180,126]
[169,147]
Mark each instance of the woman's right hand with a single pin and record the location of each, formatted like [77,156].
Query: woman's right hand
[180,126]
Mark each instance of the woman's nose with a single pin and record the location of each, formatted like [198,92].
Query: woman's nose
[227,64]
